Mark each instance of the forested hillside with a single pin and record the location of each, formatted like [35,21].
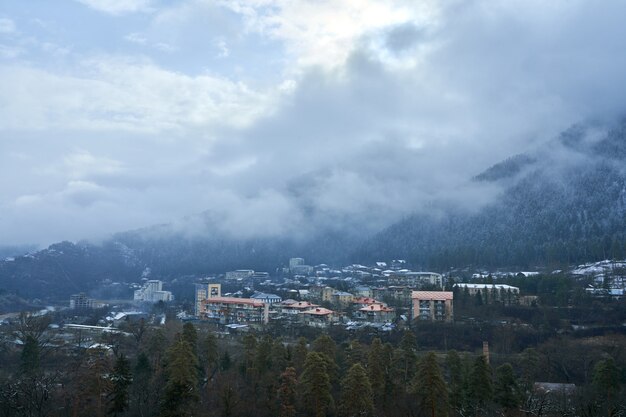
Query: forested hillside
[565,203]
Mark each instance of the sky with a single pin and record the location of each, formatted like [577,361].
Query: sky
[283,117]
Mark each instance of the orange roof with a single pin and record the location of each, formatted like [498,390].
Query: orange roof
[320,311]
[301,305]
[377,307]
[233,300]
[365,300]
[432,295]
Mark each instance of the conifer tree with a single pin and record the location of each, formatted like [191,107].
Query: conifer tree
[505,388]
[299,354]
[356,394]
[140,388]
[287,393]
[181,389]
[429,387]
[377,372]
[455,379]
[121,379]
[29,359]
[480,386]
[606,381]
[315,385]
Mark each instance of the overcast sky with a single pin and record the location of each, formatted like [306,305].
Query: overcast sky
[282,116]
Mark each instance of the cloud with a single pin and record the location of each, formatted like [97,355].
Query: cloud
[7,26]
[124,94]
[371,111]
[118,7]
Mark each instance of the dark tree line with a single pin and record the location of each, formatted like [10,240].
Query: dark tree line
[189,371]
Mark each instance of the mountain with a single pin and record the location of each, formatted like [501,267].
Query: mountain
[561,204]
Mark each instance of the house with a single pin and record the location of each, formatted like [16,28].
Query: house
[376,313]
[432,305]
[342,298]
[319,317]
[295,307]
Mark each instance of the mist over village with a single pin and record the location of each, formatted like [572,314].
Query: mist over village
[312,208]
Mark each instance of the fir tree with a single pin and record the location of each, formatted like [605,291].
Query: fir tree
[181,389]
[121,379]
[505,389]
[480,386]
[429,387]
[315,385]
[287,393]
[356,394]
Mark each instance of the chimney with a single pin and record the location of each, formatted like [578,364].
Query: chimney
[486,351]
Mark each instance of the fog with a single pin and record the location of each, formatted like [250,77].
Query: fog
[284,118]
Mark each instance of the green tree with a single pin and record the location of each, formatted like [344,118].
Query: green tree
[606,381]
[429,387]
[480,386]
[299,354]
[324,344]
[315,385]
[455,380]
[121,379]
[355,353]
[190,335]
[29,358]
[505,388]
[356,393]
[140,389]
[181,389]
[377,372]
[287,393]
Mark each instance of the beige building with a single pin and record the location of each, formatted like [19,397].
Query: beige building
[319,317]
[232,310]
[432,305]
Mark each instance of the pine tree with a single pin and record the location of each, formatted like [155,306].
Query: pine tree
[377,372]
[287,393]
[140,389]
[324,344]
[315,385]
[505,388]
[354,353]
[190,335]
[606,381]
[299,354]
[29,359]
[121,379]
[181,389]
[480,386]
[455,379]
[356,394]
[429,387]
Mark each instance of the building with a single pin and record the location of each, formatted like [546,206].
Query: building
[319,317]
[152,292]
[229,310]
[342,298]
[490,293]
[416,279]
[203,292]
[239,274]
[376,313]
[432,305]
[81,301]
[293,307]
[266,298]
[293,262]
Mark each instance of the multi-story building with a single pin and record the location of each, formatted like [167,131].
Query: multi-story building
[432,305]
[376,313]
[293,307]
[203,292]
[81,301]
[293,262]
[239,274]
[266,298]
[342,298]
[416,279]
[152,292]
[490,293]
[319,317]
[232,310]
